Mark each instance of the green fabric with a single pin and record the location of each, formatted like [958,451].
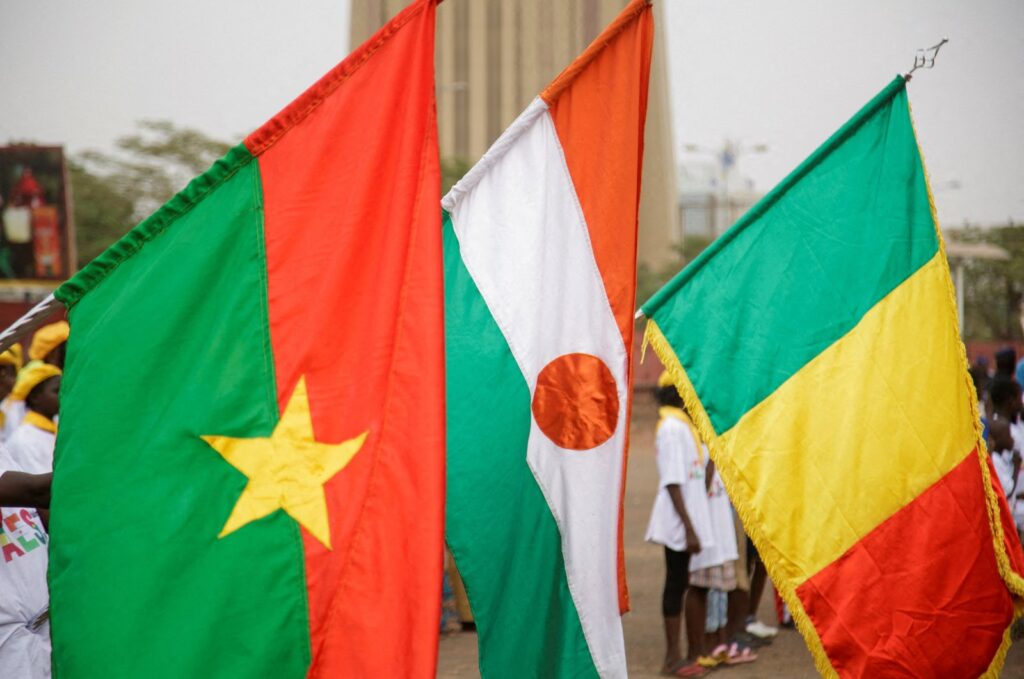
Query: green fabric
[169,342]
[499,527]
[801,268]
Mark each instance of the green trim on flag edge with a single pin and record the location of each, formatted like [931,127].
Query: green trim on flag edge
[651,306]
[72,290]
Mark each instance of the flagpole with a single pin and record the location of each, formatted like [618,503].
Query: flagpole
[35,317]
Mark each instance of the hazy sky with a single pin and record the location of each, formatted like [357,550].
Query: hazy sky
[782,73]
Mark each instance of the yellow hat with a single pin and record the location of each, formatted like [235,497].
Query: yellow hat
[48,338]
[665,380]
[12,356]
[30,377]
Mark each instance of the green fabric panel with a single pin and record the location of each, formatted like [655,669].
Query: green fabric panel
[173,344]
[800,269]
[499,527]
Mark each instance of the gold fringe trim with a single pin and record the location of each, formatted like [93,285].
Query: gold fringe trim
[995,669]
[740,499]
[1014,582]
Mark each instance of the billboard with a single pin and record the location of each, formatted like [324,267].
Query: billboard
[37,235]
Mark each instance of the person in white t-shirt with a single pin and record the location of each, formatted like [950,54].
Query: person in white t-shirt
[1005,395]
[24,605]
[24,597]
[679,520]
[32,443]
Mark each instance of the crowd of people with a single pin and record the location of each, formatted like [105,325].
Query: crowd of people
[28,434]
[1000,405]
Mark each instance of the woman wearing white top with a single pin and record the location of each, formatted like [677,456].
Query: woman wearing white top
[679,520]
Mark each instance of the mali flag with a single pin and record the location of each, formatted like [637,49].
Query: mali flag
[249,474]
[816,345]
[540,271]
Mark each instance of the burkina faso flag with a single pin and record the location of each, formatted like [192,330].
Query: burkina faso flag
[249,474]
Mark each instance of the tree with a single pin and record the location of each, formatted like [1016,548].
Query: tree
[102,215]
[452,170]
[113,191]
[993,289]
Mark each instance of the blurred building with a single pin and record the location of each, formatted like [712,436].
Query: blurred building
[708,204]
[494,56]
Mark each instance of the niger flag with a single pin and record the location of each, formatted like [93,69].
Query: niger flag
[249,474]
[815,344]
[540,276]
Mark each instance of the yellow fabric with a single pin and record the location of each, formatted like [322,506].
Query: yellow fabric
[31,375]
[12,357]
[286,471]
[680,414]
[665,379]
[48,338]
[40,422]
[849,415]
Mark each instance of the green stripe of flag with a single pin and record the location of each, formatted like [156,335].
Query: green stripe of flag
[819,246]
[180,327]
[503,536]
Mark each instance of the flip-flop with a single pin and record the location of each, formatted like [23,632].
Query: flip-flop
[740,654]
[684,668]
[709,661]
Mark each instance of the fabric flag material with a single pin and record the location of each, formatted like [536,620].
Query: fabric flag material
[540,271]
[816,345]
[249,475]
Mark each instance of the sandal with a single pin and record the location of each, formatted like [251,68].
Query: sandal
[709,661]
[684,668]
[740,654]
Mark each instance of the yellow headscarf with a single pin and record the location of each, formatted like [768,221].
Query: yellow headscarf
[31,376]
[48,338]
[12,357]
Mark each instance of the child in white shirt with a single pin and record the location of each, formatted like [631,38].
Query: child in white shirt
[680,520]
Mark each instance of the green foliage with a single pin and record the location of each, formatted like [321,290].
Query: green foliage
[113,191]
[452,170]
[650,280]
[102,215]
[993,289]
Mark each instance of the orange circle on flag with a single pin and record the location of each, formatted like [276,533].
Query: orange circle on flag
[576,403]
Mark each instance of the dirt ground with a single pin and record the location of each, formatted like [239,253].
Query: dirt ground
[786,658]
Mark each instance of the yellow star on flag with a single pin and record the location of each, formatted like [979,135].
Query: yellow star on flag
[286,471]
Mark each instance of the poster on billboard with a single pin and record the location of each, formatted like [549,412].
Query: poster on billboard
[36,225]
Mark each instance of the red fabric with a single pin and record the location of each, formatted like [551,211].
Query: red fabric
[1010,538]
[351,184]
[920,596]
